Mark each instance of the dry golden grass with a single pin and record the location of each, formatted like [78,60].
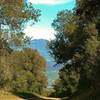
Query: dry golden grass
[8,96]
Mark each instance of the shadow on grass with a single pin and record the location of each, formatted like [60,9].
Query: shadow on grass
[23,95]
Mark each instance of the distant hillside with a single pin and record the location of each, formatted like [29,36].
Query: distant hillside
[42,46]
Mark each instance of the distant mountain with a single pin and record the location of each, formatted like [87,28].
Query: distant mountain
[42,46]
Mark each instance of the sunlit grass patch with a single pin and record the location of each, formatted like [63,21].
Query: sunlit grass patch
[8,96]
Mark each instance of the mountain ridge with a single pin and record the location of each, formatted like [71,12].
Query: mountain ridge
[42,46]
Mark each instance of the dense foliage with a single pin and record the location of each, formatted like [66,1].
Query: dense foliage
[21,70]
[14,16]
[77,47]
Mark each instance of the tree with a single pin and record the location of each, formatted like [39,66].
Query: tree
[29,71]
[14,15]
[65,25]
[5,73]
[77,46]
[66,49]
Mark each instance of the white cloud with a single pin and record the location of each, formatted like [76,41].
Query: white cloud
[49,2]
[40,33]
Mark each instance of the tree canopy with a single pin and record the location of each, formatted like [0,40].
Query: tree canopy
[20,70]
[14,15]
[77,46]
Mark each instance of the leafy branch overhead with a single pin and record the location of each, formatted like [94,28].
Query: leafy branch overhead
[14,15]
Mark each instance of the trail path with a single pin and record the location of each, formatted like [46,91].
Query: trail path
[39,97]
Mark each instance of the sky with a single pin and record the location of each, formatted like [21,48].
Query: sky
[49,10]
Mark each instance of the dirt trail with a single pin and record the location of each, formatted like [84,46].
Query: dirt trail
[39,97]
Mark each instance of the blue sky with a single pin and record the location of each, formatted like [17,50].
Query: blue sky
[49,9]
